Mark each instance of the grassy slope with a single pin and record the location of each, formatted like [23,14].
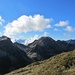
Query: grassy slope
[62,64]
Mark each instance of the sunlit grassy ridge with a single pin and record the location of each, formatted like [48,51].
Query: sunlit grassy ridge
[62,64]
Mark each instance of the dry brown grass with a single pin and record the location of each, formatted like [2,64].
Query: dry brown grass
[62,64]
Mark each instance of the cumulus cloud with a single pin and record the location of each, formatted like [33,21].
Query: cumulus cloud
[26,24]
[13,40]
[45,34]
[62,23]
[1,20]
[31,39]
[55,29]
[69,29]
[66,35]
[25,41]
[0,33]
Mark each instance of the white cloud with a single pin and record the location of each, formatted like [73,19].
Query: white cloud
[48,26]
[31,39]
[25,41]
[55,29]
[17,38]
[69,29]
[1,20]
[66,35]
[26,24]
[45,34]
[13,40]
[0,33]
[62,23]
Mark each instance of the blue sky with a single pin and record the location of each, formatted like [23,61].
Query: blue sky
[36,18]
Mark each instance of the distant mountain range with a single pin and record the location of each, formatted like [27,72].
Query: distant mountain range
[20,41]
[16,55]
[71,41]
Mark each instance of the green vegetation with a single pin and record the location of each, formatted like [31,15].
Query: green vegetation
[62,64]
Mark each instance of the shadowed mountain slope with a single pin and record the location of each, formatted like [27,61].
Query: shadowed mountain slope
[16,55]
[11,57]
[45,47]
[71,41]
[61,64]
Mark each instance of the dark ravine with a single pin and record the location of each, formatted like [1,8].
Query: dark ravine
[16,55]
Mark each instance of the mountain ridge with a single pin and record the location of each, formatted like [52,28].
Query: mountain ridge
[45,47]
[19,55]
[12,55]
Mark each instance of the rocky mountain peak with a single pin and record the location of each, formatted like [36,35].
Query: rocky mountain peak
[4,38]
[42,41]
[45,38]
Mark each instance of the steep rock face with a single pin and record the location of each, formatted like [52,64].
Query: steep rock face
[71,42]
[22,47]
[43,48]
[65,46]
[11,57]
[46,47]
